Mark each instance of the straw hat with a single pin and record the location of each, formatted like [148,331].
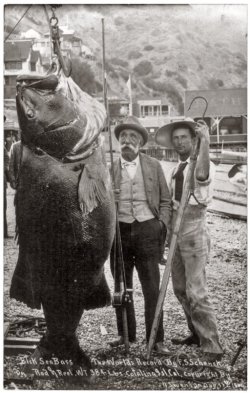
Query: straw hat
[164,134]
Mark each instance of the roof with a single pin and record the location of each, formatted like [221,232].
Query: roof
[31,33]
[163,100]
[12,72]
[17,50]
[10,126]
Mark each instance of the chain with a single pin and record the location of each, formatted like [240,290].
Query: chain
[55,38]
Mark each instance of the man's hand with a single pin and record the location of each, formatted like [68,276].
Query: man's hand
[116,192]
[162,225]
[202,131]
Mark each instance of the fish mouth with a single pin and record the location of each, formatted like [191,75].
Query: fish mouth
[35,88]
[55,128]
[37,81]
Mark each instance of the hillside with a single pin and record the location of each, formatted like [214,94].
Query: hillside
[167,48]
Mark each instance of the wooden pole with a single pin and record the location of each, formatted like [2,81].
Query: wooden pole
[119,255]
[166,274]
[103,65]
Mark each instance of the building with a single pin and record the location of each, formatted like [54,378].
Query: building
[19,57]
[70,43]
[31,34]
[155,107]
[226,115]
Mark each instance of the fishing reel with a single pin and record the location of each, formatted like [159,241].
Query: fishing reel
[122,298]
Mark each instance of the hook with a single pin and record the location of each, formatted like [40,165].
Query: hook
[54,18]
[55,37]
[203,98]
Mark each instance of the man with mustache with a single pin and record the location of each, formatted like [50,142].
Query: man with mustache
[192,251]
[144,209]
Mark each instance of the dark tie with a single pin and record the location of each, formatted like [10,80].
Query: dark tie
[179,177]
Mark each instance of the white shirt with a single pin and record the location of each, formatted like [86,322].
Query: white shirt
[131,169]
[203,190]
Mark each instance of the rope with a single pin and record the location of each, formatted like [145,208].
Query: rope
[18,22]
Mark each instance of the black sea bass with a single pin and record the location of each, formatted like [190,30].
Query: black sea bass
[64,205]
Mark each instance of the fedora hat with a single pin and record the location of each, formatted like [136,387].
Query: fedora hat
[163,135]
[132,123]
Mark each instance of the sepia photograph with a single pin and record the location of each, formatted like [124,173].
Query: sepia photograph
[125,196]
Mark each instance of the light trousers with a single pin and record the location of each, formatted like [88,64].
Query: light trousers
[189,277]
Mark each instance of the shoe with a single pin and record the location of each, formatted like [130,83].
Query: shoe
[119,341]
[190,340]
[161,349]
[213,357]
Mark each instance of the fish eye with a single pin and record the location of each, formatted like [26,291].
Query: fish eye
[30,113]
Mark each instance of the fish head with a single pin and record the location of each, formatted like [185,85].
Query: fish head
[55,115]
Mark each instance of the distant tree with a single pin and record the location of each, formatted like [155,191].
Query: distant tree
[215,83]
[170,73]
[134,54]
[119,62]
[109,67]
[119,21]
[148,47]
[124,74]
[181,80]
[166,89]
[175,97]
[99,86]
[83,75]
[143,68]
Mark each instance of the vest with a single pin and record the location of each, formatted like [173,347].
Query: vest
[133,203]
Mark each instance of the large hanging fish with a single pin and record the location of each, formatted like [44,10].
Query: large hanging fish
[64,206]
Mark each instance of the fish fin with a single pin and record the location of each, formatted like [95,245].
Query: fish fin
[99,296]
[92,187]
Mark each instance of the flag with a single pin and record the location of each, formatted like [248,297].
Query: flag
[129,86]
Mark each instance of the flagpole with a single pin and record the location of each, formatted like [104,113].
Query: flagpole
[130,97]
[103,66]
[117,241]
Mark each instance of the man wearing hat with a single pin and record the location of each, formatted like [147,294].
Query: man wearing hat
[188,268]
[144,215]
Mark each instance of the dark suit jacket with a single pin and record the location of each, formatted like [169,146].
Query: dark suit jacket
[156,188]
[15,158]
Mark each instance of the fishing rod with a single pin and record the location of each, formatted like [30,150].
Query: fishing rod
[121,295]
[188,191]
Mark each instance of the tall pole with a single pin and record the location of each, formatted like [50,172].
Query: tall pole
[103,65]
[118,246]
[105,99]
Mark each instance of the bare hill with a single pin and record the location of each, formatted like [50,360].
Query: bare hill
[167,48]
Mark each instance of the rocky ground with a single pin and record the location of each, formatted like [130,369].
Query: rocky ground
[113,369]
